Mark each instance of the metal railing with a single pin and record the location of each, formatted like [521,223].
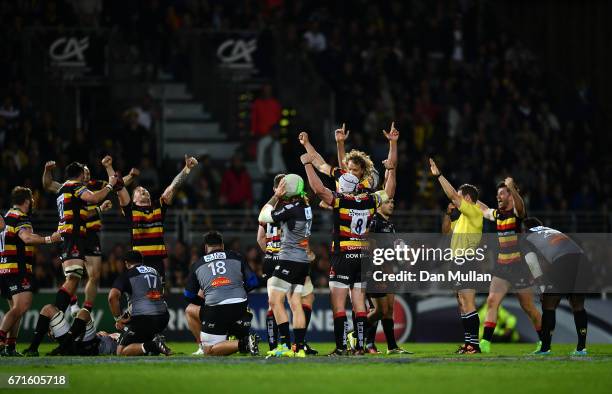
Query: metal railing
[245,221]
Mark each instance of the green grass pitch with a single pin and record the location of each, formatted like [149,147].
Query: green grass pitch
[432,369]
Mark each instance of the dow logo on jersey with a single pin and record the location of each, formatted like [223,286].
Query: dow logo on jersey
[402,316]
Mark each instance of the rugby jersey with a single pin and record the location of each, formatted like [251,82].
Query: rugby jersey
[15,256]
[352,215]
[508,226]
[147,224]
[94,223]
[381,225]
[273,240]
[72,210]
[336,173]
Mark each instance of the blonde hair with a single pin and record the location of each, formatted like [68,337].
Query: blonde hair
[362,159]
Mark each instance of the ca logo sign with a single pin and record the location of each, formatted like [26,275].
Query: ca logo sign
[237,52]
[69,51]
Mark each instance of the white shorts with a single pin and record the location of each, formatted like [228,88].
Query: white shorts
[211,339]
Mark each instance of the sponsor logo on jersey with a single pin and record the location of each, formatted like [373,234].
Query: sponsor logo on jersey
[221,281]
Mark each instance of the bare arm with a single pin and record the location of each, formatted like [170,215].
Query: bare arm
[391,162]
[178,180]
[114,298]
[265,215]
[341,136]
[314,181]
[519,204]
[317,159]
[449,190]
[122,195]
[47,180]
[29,238]
[261,238]
[2,224]
[129,178]
[486,211]
[446,221]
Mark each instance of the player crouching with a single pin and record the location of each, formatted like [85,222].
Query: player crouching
[224,278]
[141,330]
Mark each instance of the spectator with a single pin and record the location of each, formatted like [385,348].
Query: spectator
[236,187]
[270,159]
[265,112]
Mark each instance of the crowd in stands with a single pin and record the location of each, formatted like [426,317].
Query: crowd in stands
[460,91]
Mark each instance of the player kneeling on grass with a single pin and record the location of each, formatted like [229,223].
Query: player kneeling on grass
[224,278]
[80,338]
[140,329]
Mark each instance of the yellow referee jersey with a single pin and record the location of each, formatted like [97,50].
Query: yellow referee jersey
[467,230]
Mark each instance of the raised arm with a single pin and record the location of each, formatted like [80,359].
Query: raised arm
[122,194]
[486,211]
[178,180]
[47,179]
[315,182]
[265,215]
[446,220]
[391,162]
[341,135]
[99,196]
[449,190]
[519,204]
[317,159]
[129,178]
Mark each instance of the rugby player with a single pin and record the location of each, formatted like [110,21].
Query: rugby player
[466,236]
[224,279]
[352,214]
[146,217]
[147,315]
[510,270]
[80,338]
[355,162]
[93,225]
[16,262]
[564,256]
[382,304]
[72,200]
[268,239]
[290,210]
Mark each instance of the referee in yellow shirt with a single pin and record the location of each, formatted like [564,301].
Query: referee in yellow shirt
[464,219]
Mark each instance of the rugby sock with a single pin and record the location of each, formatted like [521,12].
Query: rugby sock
[548,325]
[243,344]
[466,329]
[150,348]
[371,332]
[272,330]
[340,328]
[307,314]
[360,320]
[73,300]
[581,321]
[2,336]
[42,327]
[78,327]
[299,334]
[11,343]
[283,334]
[62,299]
[472,322]
[489,329]
[387,325]
[88,305]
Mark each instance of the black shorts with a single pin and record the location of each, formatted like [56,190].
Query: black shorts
[517,274]
[292,271]
[143,328]
[228,319]
[269,264]
[92,244]
[376,295]
[562,277]
[346,268]
[73,247]
[87,348]
[11,284]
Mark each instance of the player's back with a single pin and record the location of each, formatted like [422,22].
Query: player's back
[221,276]
[295,224]
[352,215]
[144,286]
[551,243]
[15,255]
